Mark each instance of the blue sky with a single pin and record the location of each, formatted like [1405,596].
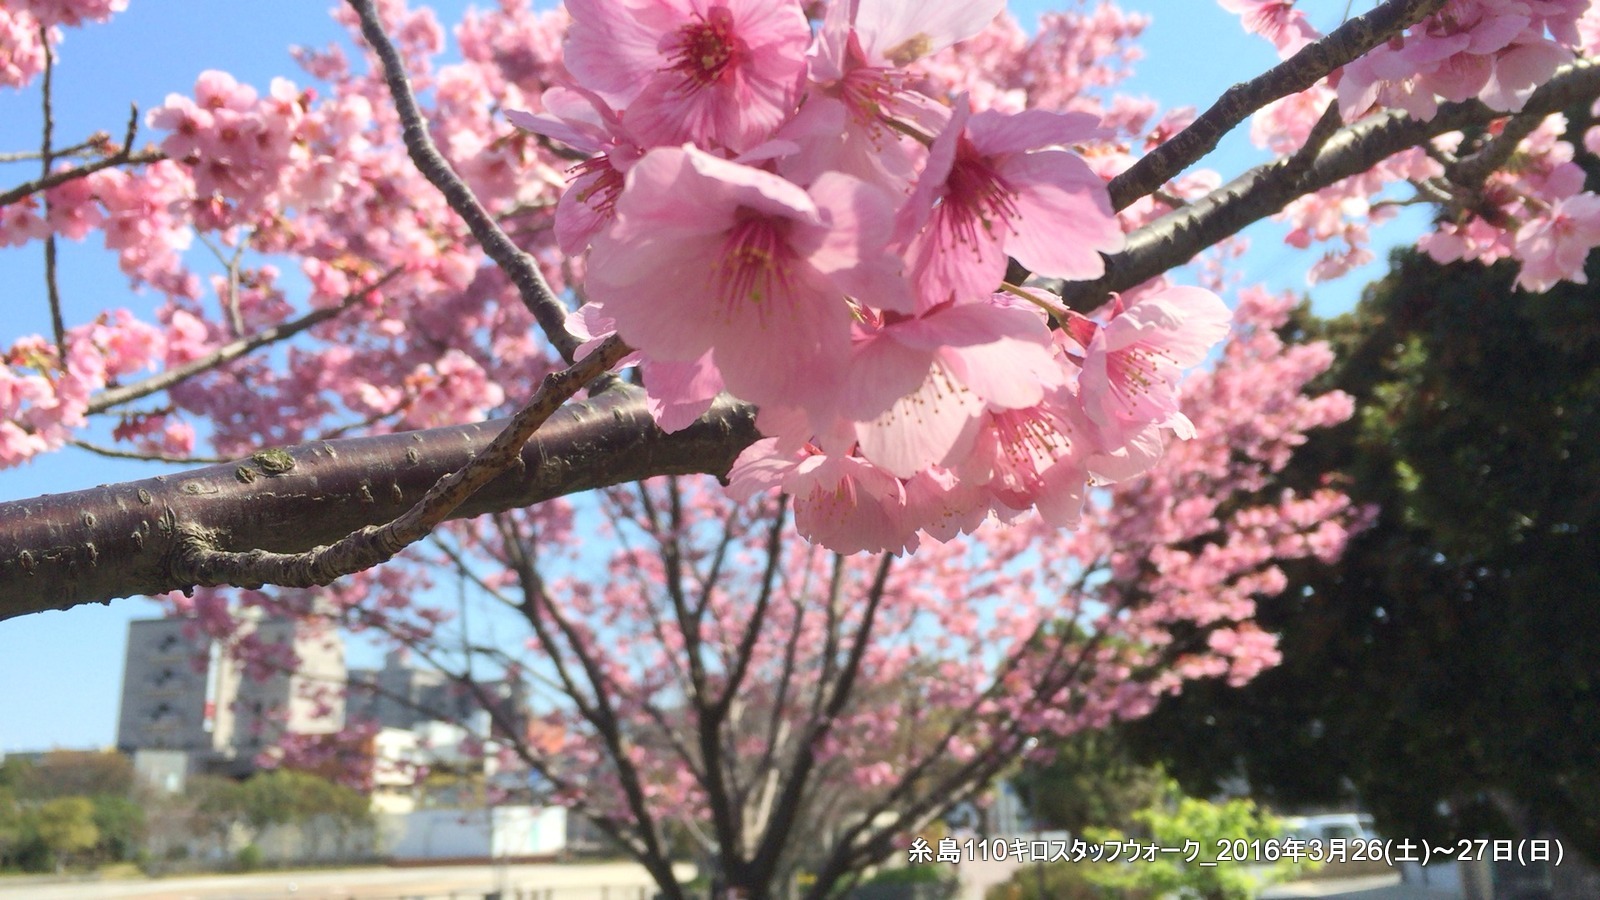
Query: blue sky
[61,671]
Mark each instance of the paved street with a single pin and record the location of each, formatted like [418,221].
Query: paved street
[608,881]
[1372,887]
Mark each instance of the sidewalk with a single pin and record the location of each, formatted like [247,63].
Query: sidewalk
[596,881]
[1370,887]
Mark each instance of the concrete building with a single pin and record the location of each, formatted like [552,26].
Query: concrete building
[401,695]
[182,691]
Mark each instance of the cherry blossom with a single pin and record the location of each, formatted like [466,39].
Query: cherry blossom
[1495,50]
[28,26]
[585,123]
[916,386]
[756,274]
[721,73]
[1131,365]
[1276,20]
[1554,246]
[996,185]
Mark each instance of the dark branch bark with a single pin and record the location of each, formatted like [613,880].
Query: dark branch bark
[119,540]
[199,560]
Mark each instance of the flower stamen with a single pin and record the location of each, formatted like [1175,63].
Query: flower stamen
[706,52]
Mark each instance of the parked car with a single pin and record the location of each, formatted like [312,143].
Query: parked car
[1345,826]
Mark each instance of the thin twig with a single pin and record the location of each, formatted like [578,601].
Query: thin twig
[47,159]
[96,146]
[804,761]
[339,431]
[230,264]
[519,266]
[600,711]
[114,453]
[125,156]
[56,179]
[117,396]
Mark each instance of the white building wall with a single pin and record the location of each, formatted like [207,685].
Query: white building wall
[517,831]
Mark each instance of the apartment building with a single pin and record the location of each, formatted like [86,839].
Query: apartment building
[183,691]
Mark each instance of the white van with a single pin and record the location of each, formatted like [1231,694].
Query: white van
[1348,826]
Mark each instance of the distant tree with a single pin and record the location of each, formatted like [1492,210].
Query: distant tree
[33,824]
[11,831]
[290,797]
[122,827]
[1444,672]
[1093,780]
[1225,837]
[217,807]
[220,807]
[271,798]
[73,773]
[65,827]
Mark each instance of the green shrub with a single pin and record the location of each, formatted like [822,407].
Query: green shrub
[919,874]
[249,858]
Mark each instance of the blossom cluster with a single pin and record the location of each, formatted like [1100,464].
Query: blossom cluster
[813,213]
[1184,551]
[44,394]
[296,189]
[29,27]
[780,212]
[1494,51]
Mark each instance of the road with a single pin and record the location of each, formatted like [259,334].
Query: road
[602,881]
[1372,887]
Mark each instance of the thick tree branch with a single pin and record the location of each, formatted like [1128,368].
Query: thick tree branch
[1470,172]
[114,541]
[547,309]
[201,562]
